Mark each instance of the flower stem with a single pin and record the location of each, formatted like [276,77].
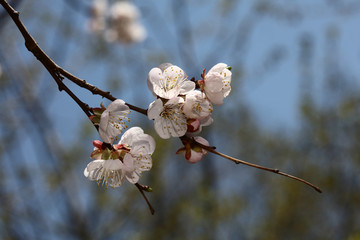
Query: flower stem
[141,189]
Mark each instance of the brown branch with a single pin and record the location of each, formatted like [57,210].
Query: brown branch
[56,71]
[238,161]
[58,75]
[40,55]
[143,188]
[96,91]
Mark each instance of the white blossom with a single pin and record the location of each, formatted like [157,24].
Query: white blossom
[138,159]
[124,25]
[97,21]
[113,120]
[197,106]
[217,83]
[169,120]
[133,156]
[106,172]
[169,82]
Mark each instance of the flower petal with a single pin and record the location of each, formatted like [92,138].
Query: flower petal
[113,164]
[131,135]
[218,67]
[187,87]
[160,126]
[117,106]
[155,81]
[194,157]
[155,108]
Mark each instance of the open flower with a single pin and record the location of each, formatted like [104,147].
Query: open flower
[196,105]
[138,159]
[169,120]
[127,160]
[169,82]
[216,83]
[106,172]
[113,120]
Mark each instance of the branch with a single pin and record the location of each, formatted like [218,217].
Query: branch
[58,75]
[40,55]
[143,188]
[96,91]
[56,71]
[238,161]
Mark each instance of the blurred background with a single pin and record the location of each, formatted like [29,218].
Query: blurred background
[294,105]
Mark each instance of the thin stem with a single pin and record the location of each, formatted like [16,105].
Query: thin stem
[238,161]
[95,90]
[141,189]
[274,170]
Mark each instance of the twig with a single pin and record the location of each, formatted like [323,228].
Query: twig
[95,90]
[56,71]
[48,63]
[58,75]
[238,161]
[142,189]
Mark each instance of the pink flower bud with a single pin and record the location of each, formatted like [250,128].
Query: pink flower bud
[192,152]
[193,125]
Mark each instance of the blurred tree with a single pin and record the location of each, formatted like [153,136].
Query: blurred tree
[45,139]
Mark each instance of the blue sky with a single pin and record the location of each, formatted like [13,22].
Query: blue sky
[272,94]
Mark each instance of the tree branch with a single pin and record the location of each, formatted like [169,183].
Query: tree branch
[238,161]
[58,75]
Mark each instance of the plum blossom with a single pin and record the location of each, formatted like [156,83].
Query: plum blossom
[113,120]
[192,152]
[216,83]
[128,159]
[169,81]
[97,22]
[138,159]
[107,172]
[169,120]
[197,106]
[124,25]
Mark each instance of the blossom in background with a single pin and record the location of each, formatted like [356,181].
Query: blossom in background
[192,152]
[169,82]
[124,25]
[128,159]
[97,22]
[169,120]
[216,83]
[113,120]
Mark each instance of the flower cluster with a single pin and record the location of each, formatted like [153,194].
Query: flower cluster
[182,107]
[126,160]
[120,25]
[113,164]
